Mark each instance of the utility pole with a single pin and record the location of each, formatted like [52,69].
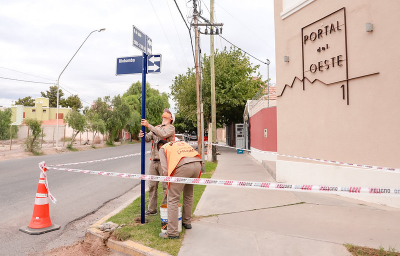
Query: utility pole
[203,170]
[196,36]
[213,106]
[268,62]
[218,30]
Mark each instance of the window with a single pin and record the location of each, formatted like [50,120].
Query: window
[33,110]
[44,111]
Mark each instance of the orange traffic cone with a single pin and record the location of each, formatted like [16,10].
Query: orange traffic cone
[41,222]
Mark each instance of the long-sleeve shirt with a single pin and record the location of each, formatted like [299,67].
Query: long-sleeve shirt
[157,133]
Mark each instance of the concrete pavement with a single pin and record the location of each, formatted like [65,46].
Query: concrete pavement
[240,221]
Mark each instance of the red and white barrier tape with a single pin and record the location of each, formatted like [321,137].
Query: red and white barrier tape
[42,166]
[389,169]
[99,160]
[247,184]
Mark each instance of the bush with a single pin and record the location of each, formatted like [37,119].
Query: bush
[32,142]
[5,122]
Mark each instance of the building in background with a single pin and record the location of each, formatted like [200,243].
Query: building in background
[337,74]
[260,124]
[41,111]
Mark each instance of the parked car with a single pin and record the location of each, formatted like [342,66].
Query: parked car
[193,136]
[179,137]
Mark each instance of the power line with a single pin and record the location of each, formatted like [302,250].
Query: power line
[27,74]
[190,34]
[246,27]
[165,33]
[180,42]
[243,50]
[46,79]
[26,81]
[73,94]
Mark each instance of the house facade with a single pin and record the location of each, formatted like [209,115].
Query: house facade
[337,75]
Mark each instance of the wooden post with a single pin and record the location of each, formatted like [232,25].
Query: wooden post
[41,142]
[80,138]
[10,136]
[28,132]
[64,136]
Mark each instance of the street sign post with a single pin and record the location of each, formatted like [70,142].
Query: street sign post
[138,65]
[154,64]
[129,65]
[142,41]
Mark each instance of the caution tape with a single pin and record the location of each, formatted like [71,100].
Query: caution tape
[389,169]
[100,160]
[42,166]
[247,184]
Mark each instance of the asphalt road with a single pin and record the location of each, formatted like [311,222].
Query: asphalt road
[77,194]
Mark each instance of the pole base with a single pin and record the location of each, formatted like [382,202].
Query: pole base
[39,231]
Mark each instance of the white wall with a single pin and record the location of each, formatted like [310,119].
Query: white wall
[336,175]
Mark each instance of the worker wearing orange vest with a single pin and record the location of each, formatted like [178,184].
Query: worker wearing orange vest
[165,131]
[179,159]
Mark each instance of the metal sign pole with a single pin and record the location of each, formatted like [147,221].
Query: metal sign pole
[143,184]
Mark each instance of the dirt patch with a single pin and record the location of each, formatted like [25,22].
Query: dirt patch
[84,248]
[18,151]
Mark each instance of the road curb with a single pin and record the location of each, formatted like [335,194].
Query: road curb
[128,247]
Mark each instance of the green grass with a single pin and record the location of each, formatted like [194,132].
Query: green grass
[147,234]
[365,251]
[110,143]
[71,148]
[37,153]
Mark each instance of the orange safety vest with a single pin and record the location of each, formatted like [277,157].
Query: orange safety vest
[175,151]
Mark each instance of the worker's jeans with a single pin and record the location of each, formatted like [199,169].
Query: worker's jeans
[155,169]
[190,170]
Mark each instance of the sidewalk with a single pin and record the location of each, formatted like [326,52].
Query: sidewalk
[240,221]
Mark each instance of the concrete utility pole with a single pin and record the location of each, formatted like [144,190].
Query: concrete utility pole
[201,111]
[213,106]
[196,33]
[268,62]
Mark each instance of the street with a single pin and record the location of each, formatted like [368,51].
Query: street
[78,195]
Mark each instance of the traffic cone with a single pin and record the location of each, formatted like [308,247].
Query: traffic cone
[41,222]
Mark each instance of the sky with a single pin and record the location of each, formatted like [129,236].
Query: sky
[38,38]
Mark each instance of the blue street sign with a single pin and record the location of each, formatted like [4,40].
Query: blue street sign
[142,41]
[129,65]
[154,63]
[149,46]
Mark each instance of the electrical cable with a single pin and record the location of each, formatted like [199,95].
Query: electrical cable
[246,27]
[47,79]
[180,42]
[165,33]
[74,94]
[190,34]
[26,81]
[243,50]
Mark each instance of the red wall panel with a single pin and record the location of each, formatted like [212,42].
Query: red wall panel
[264,119]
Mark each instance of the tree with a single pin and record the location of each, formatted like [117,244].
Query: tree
[77,122]
[32,143]
[5,122]
[114,113]
[52,96]
[155,104]
[73,102]
[27,101]
[94,123]
[183,92]
[234,85]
